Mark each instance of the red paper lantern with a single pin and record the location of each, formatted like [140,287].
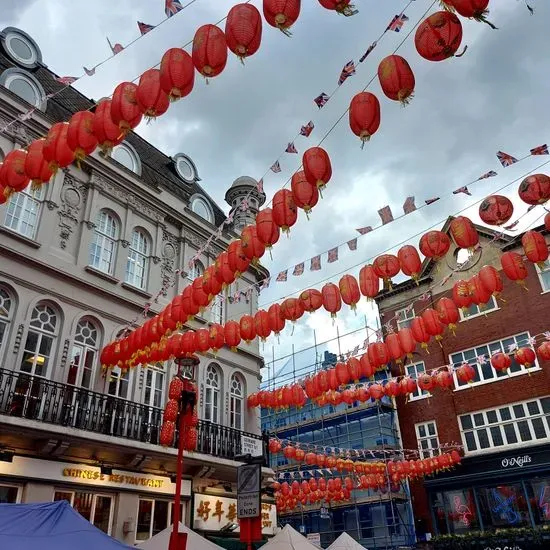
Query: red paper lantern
[543,350]
[496,210]
[305,195]
[125,111]
[210,283]
[364,115]
[409,261]
[478,293]
[80,135]
[472,9]
[349,291]
[439,36]
[217,337]
[535,189]
[56,151]
[396,78]
[276,319]
[267,231]
[261,324]
[202,340]
[209,51]
[199,296]
[36,167]
[425,382]
[317,167]
[248,331]
[535,247]
[177,73]
[465,373]
[243,30]
[175,388]
[343,7]
[367,369]
[394,348]
[105,130]
[236,258]
[285,212]
[525,357]
[332,301]
[190,307]
[292,309]
[152,100]
[501,362]
[171,411]
[378,354]
[444,379]
[490,279]
[514,267]
[189,344]
[281,14]
[232,334]
[407,341]
[252,246]
[311,300]
[463,232]
[354,369]
[420,332]
[434,245]
[386,267]
[228,276]
[447,312]
[369,282]
[461,294]
[432,323]
[167,432]
[12,172]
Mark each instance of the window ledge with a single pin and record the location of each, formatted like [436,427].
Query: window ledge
[19,237]
[492,381]
[136,290]
[101,274]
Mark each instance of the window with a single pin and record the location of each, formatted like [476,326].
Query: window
[21,47]
[40,343]
[25,86]
[544,276]
[97,509]
[414,371]
[475,310]
[201,207]
[197,270]
[84,355]
[126,155]
[217,313]
[212,394]
[485,372]
[138,260]
[185,168]
[9,494]
[153,517]
[153,389]
[237,395]
[103,251]
[6,312]
[119,382]
[23,211]
[513,425]
[502,506]
[428,443]
[404,317]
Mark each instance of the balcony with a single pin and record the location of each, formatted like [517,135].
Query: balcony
[41,400]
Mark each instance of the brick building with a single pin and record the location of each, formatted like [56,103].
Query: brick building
[502,420]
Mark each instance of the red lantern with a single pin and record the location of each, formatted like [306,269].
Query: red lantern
[332,301]
[369,282]
[435,245]
[364,115]
[267,231]
[409,261]
[407,341]
[36,168]
[343,7]
[496,210]
[386,267]
[354,369]
[290,452]
[281,14]
[236,258]
[425,382]
[177,73]
[175,389]
[461,294]
[544,350]
[56,151]
[420,333]
[171,411]
[202,340]
[243,30]
[105,130]
[367,369]
[376,391]
[546,220]
[252,247]
[514,268]
[465,373]
[285,212]
[393,346]
[463,232]
[439,36]
[80,135]
[305,195]
[232,334]
[190,307]
[396,78]
[261,324]
[535,247]
[444,379]
[447,312]
[228,276]
[191,440]
[292,309]
[210,283]
[432,323]
[349,291]
[473,9]
[217,337]
[12,172]
[152,100]
[167,432]
[189,343]
[317,167]
[378,354]
[125,112]
[478,292]
[535,189]
[501,362]
[525,357]
[311,300]
[199,296]
[209,51]
[276,320]
[490,279]
[248,332]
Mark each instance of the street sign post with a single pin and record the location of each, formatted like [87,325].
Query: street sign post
[249,479]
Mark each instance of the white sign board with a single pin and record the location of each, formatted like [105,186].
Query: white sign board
[249,478]
[248,505]
[212,513]
[251,446]
[315,538]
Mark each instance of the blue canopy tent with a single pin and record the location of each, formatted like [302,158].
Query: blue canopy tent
[50,526]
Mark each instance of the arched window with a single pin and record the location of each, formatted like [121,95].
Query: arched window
[217,313]
[201,207]
[197,270]
[138,260]
[24,85]
[103,251]
[212,394]
[6,314]
[126,155]
[41,340]
[84,355]
[237,402]
[23,211]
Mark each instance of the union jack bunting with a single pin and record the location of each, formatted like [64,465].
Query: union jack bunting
[321,100]
[352,245]
[409,206]
[276,168]
[260,185]
[397,23]
[265,283]
[67,80]
[144,28]
[385,215]
[364,230]
[89,72]
[298,270]
[282,277]
[347,71]
[315,263]
[512,225]
[431,201]
[307,129]
[171,7]
[540,150]
[506,159]
[116,49]
[463,189]
[490,174]
[291,148]
[332,255]
[244,205]
[368,52]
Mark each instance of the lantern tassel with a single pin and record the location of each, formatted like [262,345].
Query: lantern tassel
[483,19]
[446,6]
[405,97]
[285,31]
[462,53]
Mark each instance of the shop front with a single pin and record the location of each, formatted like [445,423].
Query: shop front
[129,506]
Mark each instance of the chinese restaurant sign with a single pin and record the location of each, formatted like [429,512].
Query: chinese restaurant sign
[212,513]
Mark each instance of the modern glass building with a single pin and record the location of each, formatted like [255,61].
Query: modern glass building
[378,520]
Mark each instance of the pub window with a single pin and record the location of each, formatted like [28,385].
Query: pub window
[428,442]
[414,371]
[10,494]
[475,310]
[96,508]
[153,517]
[503,506]
[538,491]
[485,372]
[513,425]
[544,276]
[404,317]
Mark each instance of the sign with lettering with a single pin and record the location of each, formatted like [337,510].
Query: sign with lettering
[251,446]
[515,461]
[213,513]
[315,539]
[505,547]
[249,478]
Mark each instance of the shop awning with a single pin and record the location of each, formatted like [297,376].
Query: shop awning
[345,542]
[194,541]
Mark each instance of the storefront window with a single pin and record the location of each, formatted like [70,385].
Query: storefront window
[9,494]
[503,506]
[539,498]
[97,509]
[153,517]
[461,511]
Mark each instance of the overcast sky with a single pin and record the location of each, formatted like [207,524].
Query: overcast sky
[464,110]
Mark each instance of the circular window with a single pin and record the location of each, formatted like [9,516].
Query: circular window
[464,259]
[127,156]
[25,86]
[21,48]
[202,208]
[185,168]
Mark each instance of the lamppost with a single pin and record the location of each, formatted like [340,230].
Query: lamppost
[188,400]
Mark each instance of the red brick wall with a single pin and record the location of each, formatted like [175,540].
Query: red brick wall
[522,311]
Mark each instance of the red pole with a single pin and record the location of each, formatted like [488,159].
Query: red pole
[174,539]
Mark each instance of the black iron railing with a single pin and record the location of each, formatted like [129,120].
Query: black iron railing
[35,398]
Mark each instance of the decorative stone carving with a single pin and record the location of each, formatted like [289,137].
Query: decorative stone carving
[74,195]
[51,205]
[169,253]
[90,225]
[124,244]
[65,354]
[156,260]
